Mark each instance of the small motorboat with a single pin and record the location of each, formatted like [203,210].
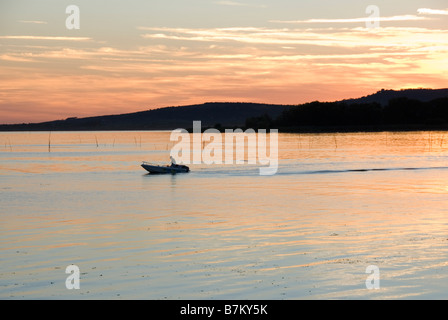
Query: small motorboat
[173,168]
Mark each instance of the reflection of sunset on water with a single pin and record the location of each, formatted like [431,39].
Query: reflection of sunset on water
[339,203]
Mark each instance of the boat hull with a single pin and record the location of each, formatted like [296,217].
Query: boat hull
[164,170]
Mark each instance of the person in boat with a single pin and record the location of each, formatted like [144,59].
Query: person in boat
[173,162]
[175,165]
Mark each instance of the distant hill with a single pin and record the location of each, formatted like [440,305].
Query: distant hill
[384,96]
[229,114]
[170,118]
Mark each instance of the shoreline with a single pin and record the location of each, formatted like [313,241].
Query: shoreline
[295,129]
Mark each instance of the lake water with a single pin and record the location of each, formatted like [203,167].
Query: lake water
[338,204]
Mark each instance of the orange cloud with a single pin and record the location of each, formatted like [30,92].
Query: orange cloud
[176,66]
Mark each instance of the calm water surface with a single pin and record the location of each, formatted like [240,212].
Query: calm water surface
[338,204]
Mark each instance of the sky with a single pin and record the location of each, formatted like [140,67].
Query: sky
[135,55]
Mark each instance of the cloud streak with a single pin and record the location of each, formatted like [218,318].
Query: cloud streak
[330,37]
[353,20]
[51,38]
[432,11]
[32,21]
[239,4]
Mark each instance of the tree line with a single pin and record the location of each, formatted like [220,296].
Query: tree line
[398,112]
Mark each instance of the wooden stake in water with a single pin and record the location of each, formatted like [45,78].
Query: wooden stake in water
[49,142]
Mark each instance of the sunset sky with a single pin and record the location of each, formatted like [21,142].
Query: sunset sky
[141,54]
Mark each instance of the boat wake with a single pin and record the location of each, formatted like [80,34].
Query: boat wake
[366,170]
[289,170]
